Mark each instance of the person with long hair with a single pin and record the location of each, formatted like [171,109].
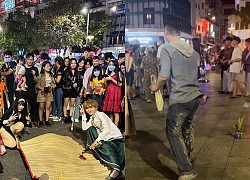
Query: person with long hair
[58,93]
[45,86]
[97,83]
[149,67]
[81,71]
[12,124]
[65,63]
[72,84]
[112,102]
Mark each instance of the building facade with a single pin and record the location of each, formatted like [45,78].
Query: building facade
[145,19]
[241,3]
[206,21]
[115,34]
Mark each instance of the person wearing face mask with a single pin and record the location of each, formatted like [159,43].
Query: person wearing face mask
[112,102]
[7,70]
[97,83]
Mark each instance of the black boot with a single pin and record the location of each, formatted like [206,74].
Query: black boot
[67,120]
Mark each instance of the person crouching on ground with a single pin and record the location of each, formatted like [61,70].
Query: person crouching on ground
[104,139]
[12,124]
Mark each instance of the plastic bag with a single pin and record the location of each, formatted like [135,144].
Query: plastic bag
[158,96]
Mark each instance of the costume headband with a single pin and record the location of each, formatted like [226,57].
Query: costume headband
[21,100]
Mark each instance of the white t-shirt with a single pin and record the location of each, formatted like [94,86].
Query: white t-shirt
[236,66]
[159,51]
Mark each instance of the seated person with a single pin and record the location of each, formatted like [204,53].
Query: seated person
[12,124]
[104,139]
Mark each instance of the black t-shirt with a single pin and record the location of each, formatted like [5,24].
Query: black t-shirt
[9,78]
[59,72]
[30,78]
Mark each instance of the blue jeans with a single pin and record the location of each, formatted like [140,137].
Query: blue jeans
[180,132]
[77,109]
[58,102]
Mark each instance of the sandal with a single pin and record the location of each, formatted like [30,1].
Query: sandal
[231,97]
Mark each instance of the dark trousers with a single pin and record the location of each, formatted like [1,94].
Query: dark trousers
[31,96]
[180,132]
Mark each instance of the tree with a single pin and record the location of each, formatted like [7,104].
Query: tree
[20,31]
[245,16]
[67,26]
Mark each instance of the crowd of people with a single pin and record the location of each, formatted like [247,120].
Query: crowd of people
[235,67]
[70,89]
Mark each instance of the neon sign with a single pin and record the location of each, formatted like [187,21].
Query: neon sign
[142,40]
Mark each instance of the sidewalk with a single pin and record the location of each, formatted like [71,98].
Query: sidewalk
[218,155]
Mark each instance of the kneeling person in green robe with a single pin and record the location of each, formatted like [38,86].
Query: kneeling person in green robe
[104,139]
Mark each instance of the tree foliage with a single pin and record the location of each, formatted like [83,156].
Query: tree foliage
[61,25]
[21,31]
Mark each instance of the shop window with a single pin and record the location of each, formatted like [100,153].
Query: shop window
[148,16]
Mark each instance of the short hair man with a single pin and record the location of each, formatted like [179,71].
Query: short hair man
[235,64]
[7,70]
[224,56]
[179,64]
[31,75]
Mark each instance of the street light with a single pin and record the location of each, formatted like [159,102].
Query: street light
[86,11]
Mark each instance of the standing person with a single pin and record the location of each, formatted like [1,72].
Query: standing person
[160,43]
[87,64]
[224,56]
[112,102]
[81,71]
[235,64]
[179,64]
[45,85]
[149,67]
[130,66]
[58,94]
[246,61]
[8,72]
[97,83]
[31,75]
[137,60]
[71,89]
[65,64]
[87,75]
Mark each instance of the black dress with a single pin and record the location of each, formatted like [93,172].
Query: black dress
[7,115]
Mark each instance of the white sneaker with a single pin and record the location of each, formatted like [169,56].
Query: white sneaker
[55,118]
[77,120]
[59,119]
[187,176]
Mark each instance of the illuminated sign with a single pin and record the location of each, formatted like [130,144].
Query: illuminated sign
[9,5]
[142,40]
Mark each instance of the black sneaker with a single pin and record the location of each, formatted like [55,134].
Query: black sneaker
[47,123]
[40,124]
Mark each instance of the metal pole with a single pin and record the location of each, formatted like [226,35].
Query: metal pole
[87,33]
